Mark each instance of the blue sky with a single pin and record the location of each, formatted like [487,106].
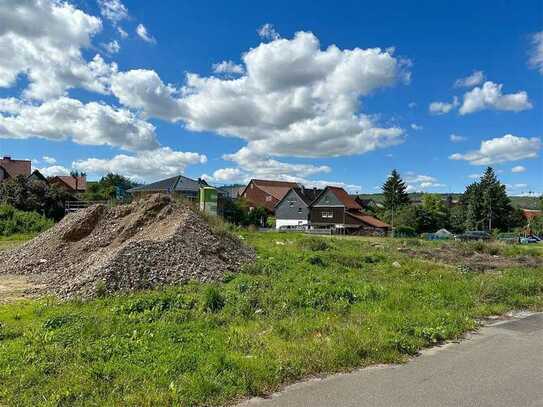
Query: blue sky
[310,91]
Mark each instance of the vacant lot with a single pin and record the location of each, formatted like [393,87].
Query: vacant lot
[308,306]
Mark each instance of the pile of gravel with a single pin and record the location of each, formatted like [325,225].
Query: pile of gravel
[145,244]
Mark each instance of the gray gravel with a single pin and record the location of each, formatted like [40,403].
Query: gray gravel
[146,244]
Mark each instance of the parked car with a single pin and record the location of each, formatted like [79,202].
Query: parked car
[530,239]
[509,238]
[474,235]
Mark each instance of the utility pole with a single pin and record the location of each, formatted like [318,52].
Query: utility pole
[393,207]
[490,215]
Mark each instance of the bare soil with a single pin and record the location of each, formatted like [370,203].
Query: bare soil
[14,287]
[469,260]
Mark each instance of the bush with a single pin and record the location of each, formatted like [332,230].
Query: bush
[405,231]
[314,244]
[14,221]
[213,300]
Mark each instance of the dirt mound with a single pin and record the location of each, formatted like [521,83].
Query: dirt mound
[145,244]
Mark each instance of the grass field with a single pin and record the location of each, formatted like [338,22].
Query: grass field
[308,306]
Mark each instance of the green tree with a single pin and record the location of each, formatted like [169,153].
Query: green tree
[496,204]
[457,219]
[486,204]
[107,187]
[536,225]
[395,192]
[437,213]
[30,195]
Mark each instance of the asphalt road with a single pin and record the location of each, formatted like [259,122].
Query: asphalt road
[501,365]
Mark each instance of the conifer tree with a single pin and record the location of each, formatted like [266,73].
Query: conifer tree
[395,192]
[486,204]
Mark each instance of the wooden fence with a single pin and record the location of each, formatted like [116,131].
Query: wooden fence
[74,206]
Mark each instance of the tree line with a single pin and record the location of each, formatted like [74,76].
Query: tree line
[484,205]
[33,195]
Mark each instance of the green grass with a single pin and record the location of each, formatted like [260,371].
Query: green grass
[7,242]
[308,306]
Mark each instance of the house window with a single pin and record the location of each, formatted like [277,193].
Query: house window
[299,210]
[328,215]
[291,203]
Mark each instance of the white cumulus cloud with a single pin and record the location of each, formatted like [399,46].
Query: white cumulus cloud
[456,138]
[112,47]
[54,170]
[252,165]
[419,182]
[43,39]
[145,166]
[536,53]
[267,32]
[490,96]
[122,32]
[518,169]
[476,78]
[439,108]
[113,10]
[294,98]
[228,67]
[49,160]
[144,34]
[143,90]
[225,175]
[502,149]
[88,124]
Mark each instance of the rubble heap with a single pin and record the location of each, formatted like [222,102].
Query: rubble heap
[145,244]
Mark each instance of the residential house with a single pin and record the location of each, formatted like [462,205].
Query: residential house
[265,193]
[178,186]
[12,168]
[368,203]
[232,191]
[293,210]
[530,215]
[335,209]
[37,176]
[72,184]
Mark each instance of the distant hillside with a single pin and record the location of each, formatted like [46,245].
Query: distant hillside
[526,202]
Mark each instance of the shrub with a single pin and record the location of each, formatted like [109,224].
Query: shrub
[316,261]
[213,300]
[405,231]
[314,244]
[14,221]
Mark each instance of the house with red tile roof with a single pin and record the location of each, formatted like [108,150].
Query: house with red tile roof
[266,193]
[10,168]
[73,184]
[335,209]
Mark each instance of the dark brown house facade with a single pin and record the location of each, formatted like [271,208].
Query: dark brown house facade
[334,208]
